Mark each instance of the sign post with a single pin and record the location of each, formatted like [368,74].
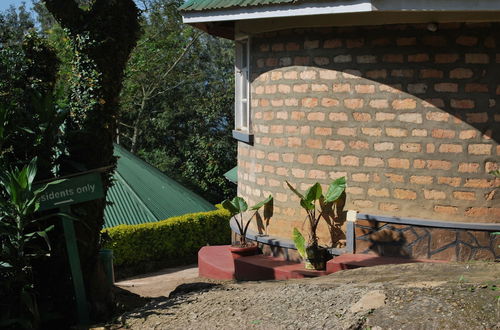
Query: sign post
[75,190]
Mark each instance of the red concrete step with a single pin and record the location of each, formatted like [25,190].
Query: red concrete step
[351,261]
[216,262]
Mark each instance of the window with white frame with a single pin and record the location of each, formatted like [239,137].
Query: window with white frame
[242,86]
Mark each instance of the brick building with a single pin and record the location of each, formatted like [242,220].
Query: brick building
[401,97]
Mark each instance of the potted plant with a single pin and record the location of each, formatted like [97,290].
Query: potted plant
[237,206]
[316,206]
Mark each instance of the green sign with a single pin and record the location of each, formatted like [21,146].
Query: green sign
[75,190]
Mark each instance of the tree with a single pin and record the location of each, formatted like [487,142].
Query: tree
[102,37]
[177,102]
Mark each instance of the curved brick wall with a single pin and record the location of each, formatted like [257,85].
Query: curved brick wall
[411,117]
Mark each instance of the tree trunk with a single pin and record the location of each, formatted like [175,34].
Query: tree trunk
[102,38]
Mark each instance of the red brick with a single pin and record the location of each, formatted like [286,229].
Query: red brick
[394,88]
[430,148]
[298,173]
[446,87]
[445,209]
[431,73]
[383,146]
[422,57]
[476,88]
[298,115]
[366,59]
[393,58]
[271,61]
[477,212]
[346,131]
[363,203]
[270,89]
[421,179]
[355,43]
[305,159]
[308,75]
[479,149]
[292,75]
[450,181]
[383,192]
[279,142]
[371,131]
[373,162]
[337,116]
[477,58]
[314,143]
[323,131]
[282,171]
[329,102]
[381,42]
[438,165]
[293,142]
[361,116]
[446,58]
[360,177]
[474,117]
[466,40]
[398,163]
[278,47]
[468,167]
[376,74]
[321,60]
[379,104]
[395,178]
[316,116]
[434,194]
[479,183]
[419,132]
[354,190]
[358,145]
[344,58]
[491,166]
[284,88]
[353,103]
[404,194]
[437,116]
[404,104]
[332,43]
[301,60]
[365,89]
[326,160]
[396,132]
[406,41]
[269,168]
[337,145]
[277,102]
[410,147]
[349,161]
[402,73]
[464,195]
[415,118]
[461,73]
[288,157]
[432,103]
[301,88]
[462,104]
[390,207]
[341,88]
[383,116]
[310,102]
[450,148]
[434,41]
[316,174]
[419,88]
[443,133]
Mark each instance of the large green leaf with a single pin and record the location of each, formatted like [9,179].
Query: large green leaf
[240,204]
[229,206]
[262,203]
[335,190]
[306,204]
[294,191]
[314,192]
[300,242]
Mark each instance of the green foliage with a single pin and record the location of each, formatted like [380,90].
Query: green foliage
[495,173]
[20,244]
[238,206]
[300,242]
[318,206]
[174,239]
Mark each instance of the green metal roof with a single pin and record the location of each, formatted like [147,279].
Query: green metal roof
[198,5]
[232,175]
[142,193]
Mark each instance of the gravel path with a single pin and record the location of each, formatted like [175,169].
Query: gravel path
[411,296]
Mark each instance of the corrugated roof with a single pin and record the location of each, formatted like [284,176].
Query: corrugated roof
[142,193]
[232,175]
[198,5]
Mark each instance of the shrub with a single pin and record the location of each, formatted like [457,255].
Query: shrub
[168,242]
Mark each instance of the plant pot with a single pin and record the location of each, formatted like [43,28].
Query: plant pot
[316,258]
[238,251]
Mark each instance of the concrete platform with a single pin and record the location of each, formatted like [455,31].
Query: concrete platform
[216,262]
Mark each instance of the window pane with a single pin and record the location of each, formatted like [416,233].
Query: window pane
[244,58]
[244,115]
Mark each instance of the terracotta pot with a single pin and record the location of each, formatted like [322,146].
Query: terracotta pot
[238,252]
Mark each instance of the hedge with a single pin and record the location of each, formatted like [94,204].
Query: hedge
[172,241]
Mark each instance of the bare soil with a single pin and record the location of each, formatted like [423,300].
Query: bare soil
[409,296]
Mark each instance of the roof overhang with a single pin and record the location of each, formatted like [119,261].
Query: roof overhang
[220,20]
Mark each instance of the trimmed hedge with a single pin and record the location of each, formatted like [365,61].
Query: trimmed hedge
[168,242]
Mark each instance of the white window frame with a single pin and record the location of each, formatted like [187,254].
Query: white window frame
[243,117]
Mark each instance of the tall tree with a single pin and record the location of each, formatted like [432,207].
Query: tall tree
[177,102]
[102,35]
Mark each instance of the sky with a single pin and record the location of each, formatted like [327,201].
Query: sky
[5,4]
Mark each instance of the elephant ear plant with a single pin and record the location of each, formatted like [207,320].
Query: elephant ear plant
[316,206]
[237,206]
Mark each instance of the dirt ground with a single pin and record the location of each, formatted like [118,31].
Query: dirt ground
[410,296]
